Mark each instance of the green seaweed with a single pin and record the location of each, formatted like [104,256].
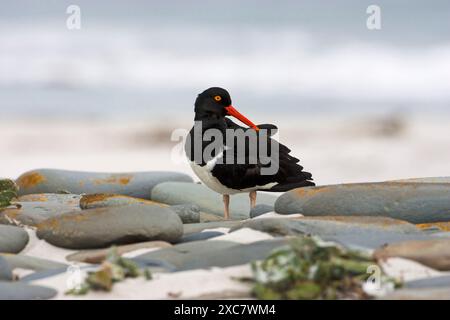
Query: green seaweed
[113,269]
[8,192]
[306,270]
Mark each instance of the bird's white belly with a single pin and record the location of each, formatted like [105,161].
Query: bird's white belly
[205,175]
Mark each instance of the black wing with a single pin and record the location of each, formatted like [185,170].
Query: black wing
[288,175]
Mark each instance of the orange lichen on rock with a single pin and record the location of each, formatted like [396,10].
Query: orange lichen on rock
[443,226]
[115,179]
[312,191]
[97,198]
[30,180]
[53,223]
[39,197]
[365,220]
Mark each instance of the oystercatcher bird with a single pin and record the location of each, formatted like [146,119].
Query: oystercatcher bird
[243,174]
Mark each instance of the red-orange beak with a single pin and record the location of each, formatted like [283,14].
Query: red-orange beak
[231,111]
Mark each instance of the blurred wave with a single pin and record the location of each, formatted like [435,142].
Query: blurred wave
[146,66]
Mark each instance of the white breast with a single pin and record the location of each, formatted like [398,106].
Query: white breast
[205,175]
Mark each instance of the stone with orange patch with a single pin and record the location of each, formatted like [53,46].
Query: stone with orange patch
[30,180]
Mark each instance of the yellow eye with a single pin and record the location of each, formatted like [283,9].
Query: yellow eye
[217,98]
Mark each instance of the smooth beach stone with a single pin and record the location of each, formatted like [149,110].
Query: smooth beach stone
[98,255]
[31,263]
[433,282]
[23,291]
[199,227]
[434,253]
[438,226]
[175,193]
[236,255]
[209,217]
[37,208]
[413,202]
[102,200]
[200,236]
[5,270]
[103,227]
[187,212]
[42,274]
[352,232]
[260,209]
[426,180]
[135,184]
[12,239]
[180,253]
[419,294]
[217,253]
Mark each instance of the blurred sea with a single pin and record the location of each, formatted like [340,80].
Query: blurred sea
[134,59]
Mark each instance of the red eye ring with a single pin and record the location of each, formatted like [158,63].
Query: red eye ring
[217,98]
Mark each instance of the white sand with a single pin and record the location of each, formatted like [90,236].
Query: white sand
[215,283]
[409,270]
[244,236]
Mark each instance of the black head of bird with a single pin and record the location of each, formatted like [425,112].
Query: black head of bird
[215,103]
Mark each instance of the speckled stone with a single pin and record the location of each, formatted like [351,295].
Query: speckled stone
[410,201]
[434,253]
[215,253]
[188,213]
[5,270]
[12,239]
[135,184]
[353,232]
[23,291]
[260,209]
[37,208]
[419,294]
[433,282]
[205,235]
[103,227]
[31,263]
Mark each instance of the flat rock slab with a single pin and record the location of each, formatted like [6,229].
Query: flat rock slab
[236,255]
[37,208]
[433,282]
[135,184]
[260,209]
[205,235]
[31,263]
[12,239]
[434,253]
[438,226]
[352,232]
[217,253]
[177,255]
[419,294]
[199,227]
[187,212]
[426,180]
[175,193]
[5,270]
[23,291]
[413,202]
[103,227]
[98,255]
